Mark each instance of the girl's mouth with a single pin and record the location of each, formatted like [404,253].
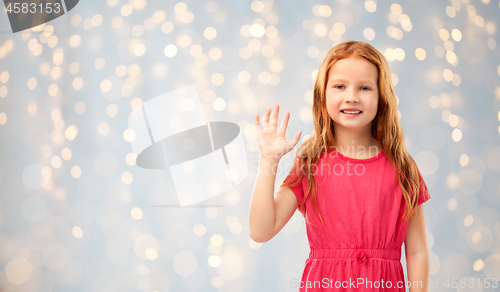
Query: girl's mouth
[351,113]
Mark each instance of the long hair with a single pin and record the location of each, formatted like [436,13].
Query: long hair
[386,129]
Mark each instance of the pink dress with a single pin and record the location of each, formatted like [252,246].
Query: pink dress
[360,249]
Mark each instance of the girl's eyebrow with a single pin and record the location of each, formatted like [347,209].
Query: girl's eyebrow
[343,80]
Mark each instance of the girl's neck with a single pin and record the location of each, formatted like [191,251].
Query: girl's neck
[356,145]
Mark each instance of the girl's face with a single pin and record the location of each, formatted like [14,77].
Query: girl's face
[352,86]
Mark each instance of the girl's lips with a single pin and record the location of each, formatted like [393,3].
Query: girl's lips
[351,110]
[351,115]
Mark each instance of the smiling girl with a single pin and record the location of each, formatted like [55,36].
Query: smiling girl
[353,180]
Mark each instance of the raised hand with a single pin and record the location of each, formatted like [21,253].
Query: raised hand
[272,143]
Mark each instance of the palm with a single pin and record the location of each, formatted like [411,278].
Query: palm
[272,143]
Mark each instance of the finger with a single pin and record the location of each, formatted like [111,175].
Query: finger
[296,139]
[274,119]
[257,124]
[284,122]
[266,118]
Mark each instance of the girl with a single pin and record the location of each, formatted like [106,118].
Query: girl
[353,180]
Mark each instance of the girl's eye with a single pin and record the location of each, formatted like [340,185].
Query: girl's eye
[337,87]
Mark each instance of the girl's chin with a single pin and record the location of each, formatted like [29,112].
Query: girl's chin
[351,126]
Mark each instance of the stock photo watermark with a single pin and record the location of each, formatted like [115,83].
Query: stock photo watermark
[450,283]
[28,14]
[337,169]
[356,283]
[170,132]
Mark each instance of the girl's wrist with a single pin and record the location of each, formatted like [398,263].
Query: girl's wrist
[270,159]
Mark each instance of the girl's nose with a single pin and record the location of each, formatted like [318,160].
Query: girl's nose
[352,97]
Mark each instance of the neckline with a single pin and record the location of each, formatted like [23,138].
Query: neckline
[357,160]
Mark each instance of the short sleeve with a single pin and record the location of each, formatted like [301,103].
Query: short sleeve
[298,190]
[423,195]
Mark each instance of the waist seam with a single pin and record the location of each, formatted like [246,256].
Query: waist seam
[357,253]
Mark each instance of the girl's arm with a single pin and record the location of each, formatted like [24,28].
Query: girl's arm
[269,212]
[417,253]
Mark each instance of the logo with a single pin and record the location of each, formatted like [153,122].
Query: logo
[204,159]
[27,14]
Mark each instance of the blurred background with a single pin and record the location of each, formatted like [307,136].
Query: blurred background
[77,214]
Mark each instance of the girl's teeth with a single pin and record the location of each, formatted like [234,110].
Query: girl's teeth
[349,112]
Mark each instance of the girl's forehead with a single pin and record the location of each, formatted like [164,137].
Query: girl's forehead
[344,69]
